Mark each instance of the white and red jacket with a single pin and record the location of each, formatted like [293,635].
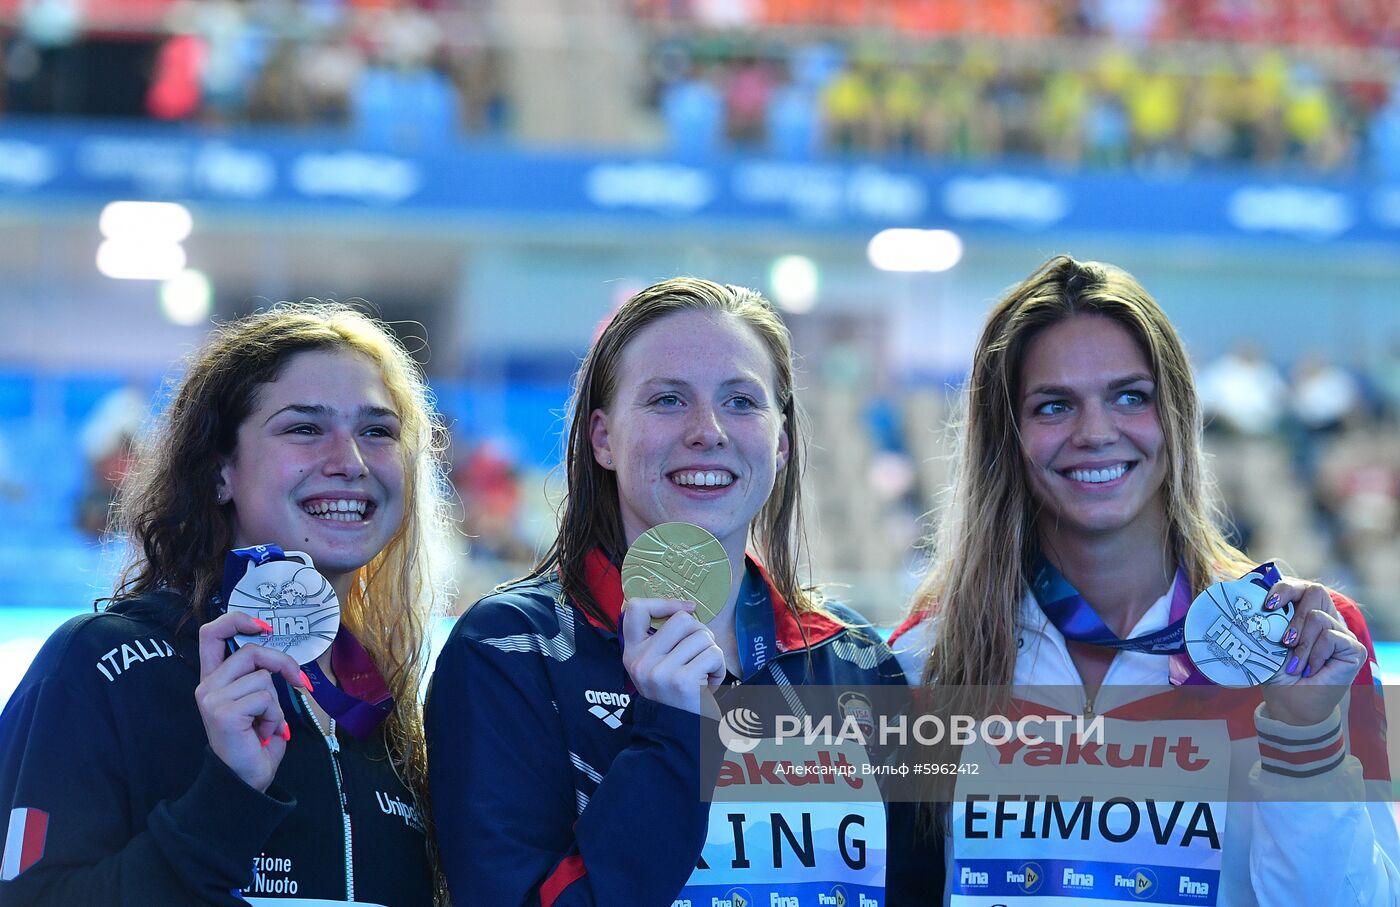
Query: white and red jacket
[1342,849]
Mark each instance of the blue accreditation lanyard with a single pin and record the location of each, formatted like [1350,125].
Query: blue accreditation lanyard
[1077,620]
[755,626]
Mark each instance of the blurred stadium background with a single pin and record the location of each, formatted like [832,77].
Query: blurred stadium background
[497,175]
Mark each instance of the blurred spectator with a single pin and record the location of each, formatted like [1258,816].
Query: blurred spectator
[1325,396]
[1386,378]
[106,440]
[694,112]
[1243,392]
[487,481]
[1144,95]
[1324,399]
[387,68]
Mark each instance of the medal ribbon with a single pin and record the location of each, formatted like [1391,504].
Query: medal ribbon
[362,700]
[1077,620]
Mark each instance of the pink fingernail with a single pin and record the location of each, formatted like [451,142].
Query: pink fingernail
[306,682]
[266,741]
[263,625]
[287,732]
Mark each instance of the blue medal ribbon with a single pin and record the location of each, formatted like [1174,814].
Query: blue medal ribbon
[365,701]
[1077,620]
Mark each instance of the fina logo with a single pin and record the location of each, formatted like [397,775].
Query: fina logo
[1140,881]
[1030,877]
[837,898]
[736,897]
[740,730]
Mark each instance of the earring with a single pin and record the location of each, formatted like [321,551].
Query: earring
[609,463]
[221,496]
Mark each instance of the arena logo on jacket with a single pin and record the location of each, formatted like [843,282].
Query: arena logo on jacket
[607,706]
[24,841]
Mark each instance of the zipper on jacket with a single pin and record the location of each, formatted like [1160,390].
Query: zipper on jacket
[333,745]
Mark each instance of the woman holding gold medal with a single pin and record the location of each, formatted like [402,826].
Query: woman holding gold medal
[563,737]
[1077,569]
[144,763]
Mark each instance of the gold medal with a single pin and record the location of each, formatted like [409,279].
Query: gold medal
[678,560]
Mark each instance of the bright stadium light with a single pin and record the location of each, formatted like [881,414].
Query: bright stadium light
[902,249]
[156,222]
[126,260]
[186,298]
[143,240]
[794,281]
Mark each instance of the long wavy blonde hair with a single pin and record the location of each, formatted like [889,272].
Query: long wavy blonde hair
[178,533]
[987,530]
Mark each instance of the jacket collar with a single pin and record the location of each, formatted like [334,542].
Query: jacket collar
[604,581]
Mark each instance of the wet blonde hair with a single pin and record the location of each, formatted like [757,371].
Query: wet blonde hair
[592,513]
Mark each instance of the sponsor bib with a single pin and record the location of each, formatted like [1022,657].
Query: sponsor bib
[792,826]
[1137,818]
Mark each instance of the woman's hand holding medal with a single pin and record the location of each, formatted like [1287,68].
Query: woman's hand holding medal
[237,701]
[668,648]
[678,665]
[1325,656]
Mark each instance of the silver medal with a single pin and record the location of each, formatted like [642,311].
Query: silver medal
[1232,639]
[296,600]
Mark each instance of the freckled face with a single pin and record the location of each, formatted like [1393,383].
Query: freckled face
[318,465]
[694,432]
[1091,438]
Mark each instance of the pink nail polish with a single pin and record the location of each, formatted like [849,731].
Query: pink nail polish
[306,682]
[263,625]
[287,730]
[266,741]
[1291,636]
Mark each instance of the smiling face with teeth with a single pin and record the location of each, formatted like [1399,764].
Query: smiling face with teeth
[318,465]
[1091,437]
[694,431]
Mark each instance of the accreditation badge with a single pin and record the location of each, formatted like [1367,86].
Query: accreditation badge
[295,600]
[1138,817]
[791,824]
